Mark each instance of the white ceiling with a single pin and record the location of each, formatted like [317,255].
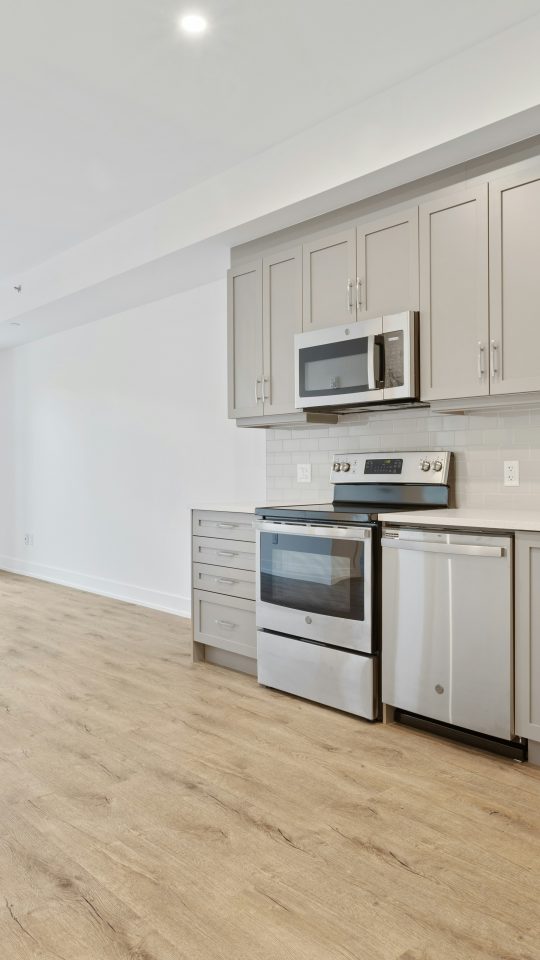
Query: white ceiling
[106,110]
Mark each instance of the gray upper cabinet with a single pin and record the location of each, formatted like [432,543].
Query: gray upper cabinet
[264,313]
[454,284]
[514,230]
[282,318]
[329,278]
[387,264]
[244,340]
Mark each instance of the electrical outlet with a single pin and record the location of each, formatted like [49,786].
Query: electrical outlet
[511,473]
[29,539]
[303,472]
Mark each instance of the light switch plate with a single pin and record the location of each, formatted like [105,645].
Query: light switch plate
[303,472]
[511,473]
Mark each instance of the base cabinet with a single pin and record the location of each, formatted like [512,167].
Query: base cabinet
[527,642]
[223,589]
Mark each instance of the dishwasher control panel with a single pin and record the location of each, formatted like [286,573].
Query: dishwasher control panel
[410,466]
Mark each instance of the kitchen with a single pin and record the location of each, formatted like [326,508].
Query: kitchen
[413,327]
[270,488]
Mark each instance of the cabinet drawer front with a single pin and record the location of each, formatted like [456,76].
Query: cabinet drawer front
[239,583]
[225,526]
[346,681]
[225,622]
[240,555]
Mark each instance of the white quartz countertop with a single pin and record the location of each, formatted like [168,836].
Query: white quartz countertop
[250,507]
[481,518]
[228,507]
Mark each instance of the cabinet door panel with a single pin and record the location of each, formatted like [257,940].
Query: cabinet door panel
[387,250]
[329,264]
[454,317]
[244,347]
[515,283]
[528,635]
[282,318]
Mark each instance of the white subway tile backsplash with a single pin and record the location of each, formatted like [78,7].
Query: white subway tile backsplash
[480,442]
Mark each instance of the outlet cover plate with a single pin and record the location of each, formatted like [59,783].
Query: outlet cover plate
[511,473]
[303,472]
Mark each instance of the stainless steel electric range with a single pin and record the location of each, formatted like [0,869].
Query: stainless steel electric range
[318,578]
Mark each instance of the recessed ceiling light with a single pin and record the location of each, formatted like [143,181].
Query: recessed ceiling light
[193,23]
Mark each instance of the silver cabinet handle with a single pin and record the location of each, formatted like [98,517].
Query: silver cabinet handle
[456,549]
[349,296]
[494,358]
[227,580]
[226,553]
[481,368]
[257,384]
[226,623]
[265,395]
[227,526]
[358,293]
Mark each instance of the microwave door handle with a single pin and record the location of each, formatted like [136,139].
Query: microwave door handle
[373,361]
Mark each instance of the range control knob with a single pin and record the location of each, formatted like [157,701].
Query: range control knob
[345,467]
[425,465]
[337,467]
[437,466]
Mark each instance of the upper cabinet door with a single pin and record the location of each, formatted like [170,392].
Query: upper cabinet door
[387,273]
[454,310]
[244,336]
[329,280]
[514,229]
[282,318]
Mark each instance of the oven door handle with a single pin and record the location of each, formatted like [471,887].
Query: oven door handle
[313,530]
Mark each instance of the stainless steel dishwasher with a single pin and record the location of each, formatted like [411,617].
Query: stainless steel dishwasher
[447,634]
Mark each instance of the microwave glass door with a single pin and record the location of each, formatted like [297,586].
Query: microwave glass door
[314,574]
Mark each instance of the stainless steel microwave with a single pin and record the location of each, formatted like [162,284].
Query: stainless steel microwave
[370,361]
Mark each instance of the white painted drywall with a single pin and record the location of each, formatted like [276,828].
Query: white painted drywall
[109,434]
[450,100]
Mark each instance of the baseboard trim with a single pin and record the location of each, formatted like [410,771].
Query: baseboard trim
[127,592]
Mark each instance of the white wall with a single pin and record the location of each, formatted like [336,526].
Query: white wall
[109,434]
[452,99]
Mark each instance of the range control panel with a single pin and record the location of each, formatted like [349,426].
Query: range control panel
[408,467]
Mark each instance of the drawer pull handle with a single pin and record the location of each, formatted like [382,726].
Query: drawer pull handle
[226,553]
[226,580]
[226,623]
[227,526]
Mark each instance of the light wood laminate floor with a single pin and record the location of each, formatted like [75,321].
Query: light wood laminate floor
[156,810]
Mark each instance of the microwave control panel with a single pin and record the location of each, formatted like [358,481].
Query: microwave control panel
[411,466]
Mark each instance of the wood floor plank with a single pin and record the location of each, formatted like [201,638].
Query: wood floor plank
[156,809]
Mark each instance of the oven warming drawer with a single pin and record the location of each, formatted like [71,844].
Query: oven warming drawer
[336,678]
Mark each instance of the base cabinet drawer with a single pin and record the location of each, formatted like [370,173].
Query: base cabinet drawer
[239,555]
[346,681]
[225,622]
[227,526]
[233,583]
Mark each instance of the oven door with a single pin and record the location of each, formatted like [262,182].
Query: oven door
[339,366]
[315,582]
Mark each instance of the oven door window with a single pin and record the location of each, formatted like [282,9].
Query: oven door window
[315,574]
[344,367]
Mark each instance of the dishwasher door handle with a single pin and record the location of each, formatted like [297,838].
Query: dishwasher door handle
[452,549]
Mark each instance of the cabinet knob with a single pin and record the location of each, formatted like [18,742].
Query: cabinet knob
[439,688]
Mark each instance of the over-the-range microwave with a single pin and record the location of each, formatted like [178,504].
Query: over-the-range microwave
[369,361]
